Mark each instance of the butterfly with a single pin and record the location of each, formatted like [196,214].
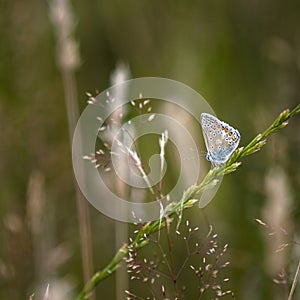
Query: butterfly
[221,139]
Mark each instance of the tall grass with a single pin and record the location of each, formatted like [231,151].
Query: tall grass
[188,200]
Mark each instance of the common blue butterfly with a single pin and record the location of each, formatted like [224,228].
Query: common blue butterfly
[220,139]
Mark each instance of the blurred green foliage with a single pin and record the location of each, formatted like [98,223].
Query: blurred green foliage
[242,56]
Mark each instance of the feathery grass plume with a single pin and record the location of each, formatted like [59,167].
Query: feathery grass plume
[276,214]
[189,198]
[63,20]
[277,226]
[126,145]
[278,236]
[203,257]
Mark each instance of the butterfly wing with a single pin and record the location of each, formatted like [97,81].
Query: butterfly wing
[221,139]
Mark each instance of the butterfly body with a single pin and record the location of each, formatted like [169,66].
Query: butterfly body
[221,139]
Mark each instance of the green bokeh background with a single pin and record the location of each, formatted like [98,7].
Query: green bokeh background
[242,56]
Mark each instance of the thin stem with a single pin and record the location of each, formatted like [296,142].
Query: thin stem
[170,248]
[294,282]
[187,256]
[164,255]
[82,205]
